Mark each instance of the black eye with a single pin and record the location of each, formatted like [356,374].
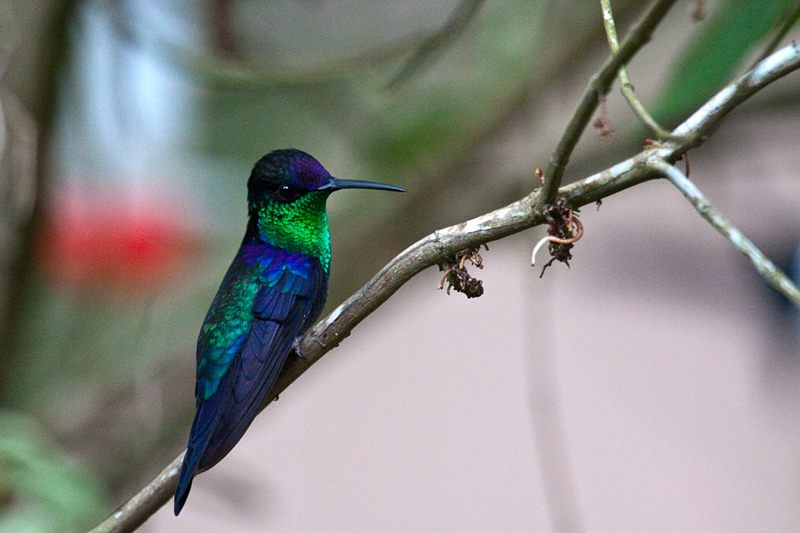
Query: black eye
[287,193]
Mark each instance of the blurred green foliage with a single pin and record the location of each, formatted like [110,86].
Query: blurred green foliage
[42,490]
[725,41]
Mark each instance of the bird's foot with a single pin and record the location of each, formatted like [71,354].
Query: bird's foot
[296,348]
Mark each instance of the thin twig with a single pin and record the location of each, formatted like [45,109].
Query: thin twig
[773,275]
[625,83]
[599,85]
[436,43]
[651,163]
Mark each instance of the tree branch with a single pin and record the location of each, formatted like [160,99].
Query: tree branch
[773,275]
[705,120]
[625,83]
[792,17]
[653,162]
[599,85]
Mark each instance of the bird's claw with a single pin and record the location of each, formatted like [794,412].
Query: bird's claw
[296,348]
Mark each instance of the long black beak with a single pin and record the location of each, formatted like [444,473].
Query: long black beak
[337,184]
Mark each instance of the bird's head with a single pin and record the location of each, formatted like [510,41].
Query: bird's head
[286,196]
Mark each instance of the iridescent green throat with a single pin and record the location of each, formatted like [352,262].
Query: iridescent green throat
[300,226]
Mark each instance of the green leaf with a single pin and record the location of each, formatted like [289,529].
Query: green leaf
[725,41]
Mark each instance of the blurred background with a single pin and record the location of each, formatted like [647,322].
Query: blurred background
[651,387]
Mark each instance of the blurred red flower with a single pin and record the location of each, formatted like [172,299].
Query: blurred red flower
[113,245]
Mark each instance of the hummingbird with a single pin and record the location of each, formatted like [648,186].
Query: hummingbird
[273,291]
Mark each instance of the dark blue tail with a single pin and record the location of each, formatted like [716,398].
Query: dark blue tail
[184,483]
[205,423]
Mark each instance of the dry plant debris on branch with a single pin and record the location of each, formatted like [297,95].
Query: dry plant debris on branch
[563,231]
[456,275]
